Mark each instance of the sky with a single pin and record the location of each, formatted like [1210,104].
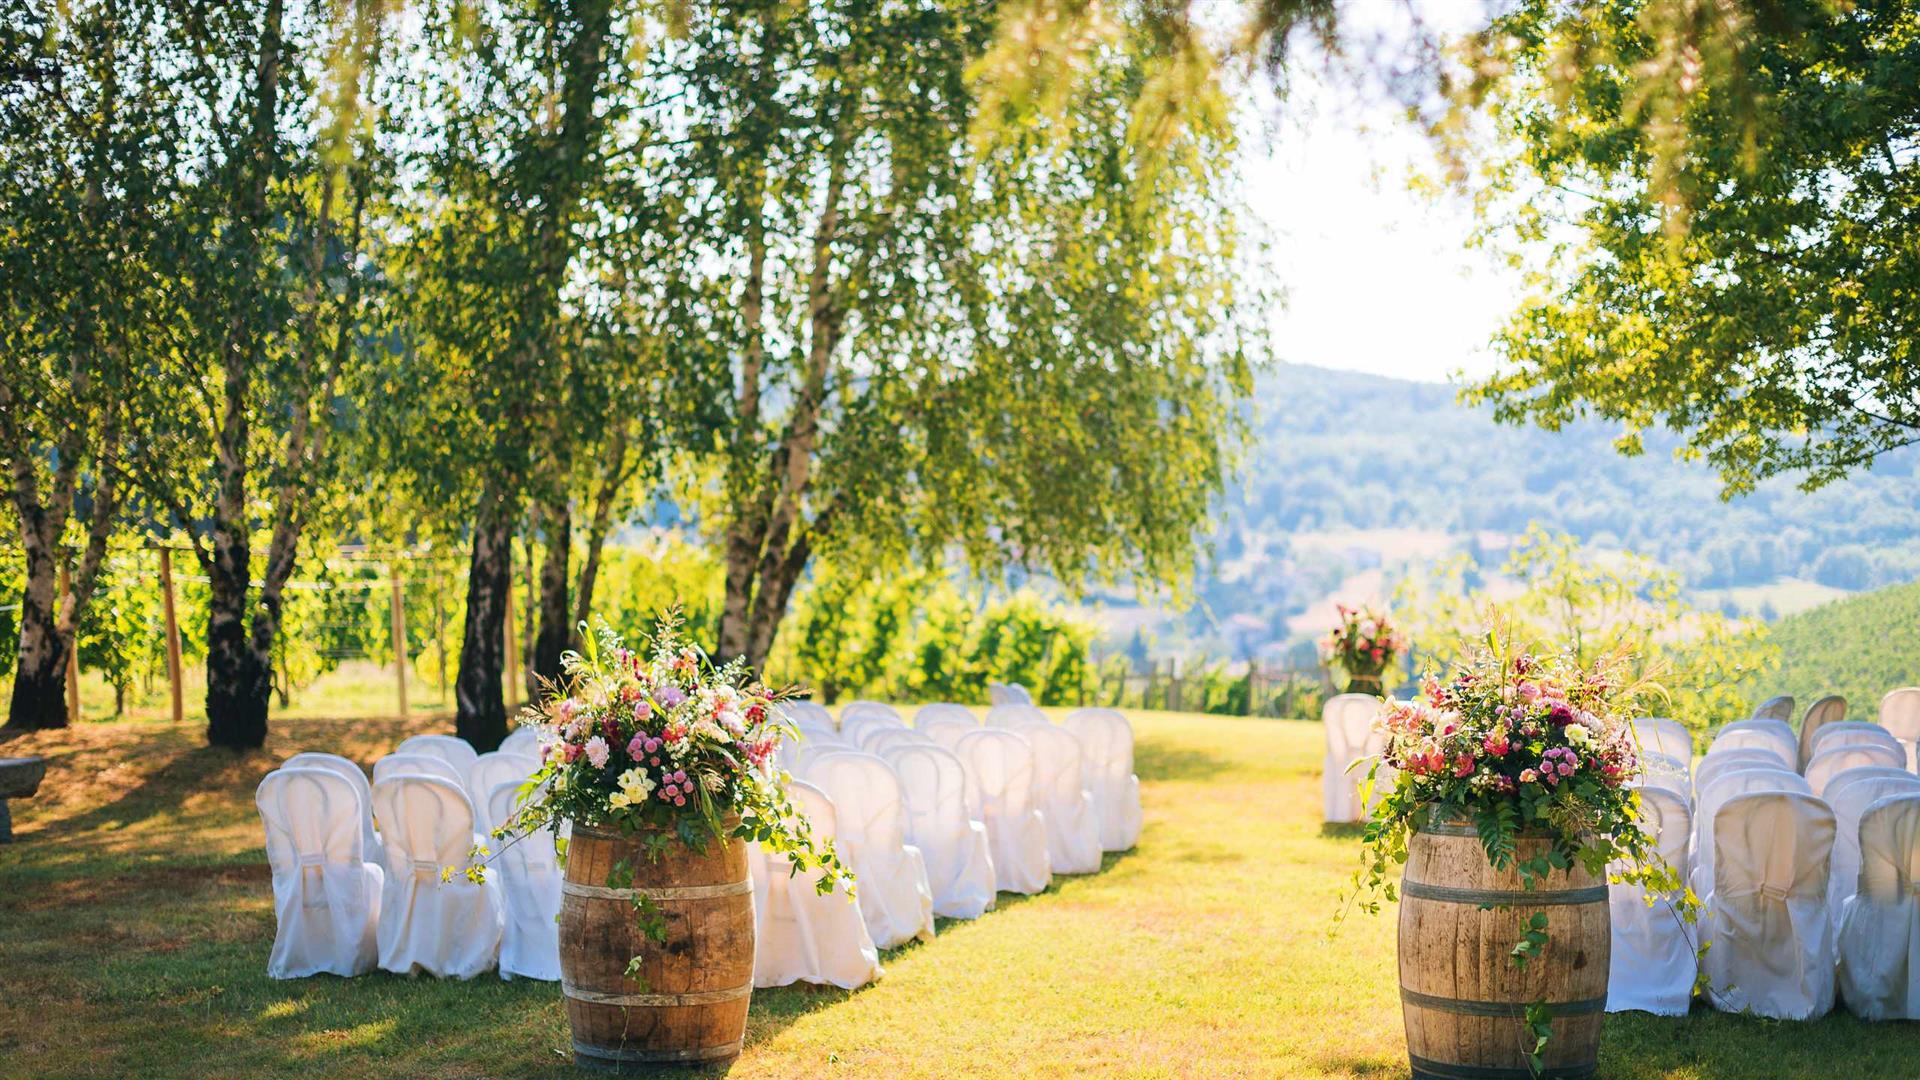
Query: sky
[1374,277]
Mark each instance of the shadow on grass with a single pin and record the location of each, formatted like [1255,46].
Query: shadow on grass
[1365,1068]
[205,768]
[1343,830]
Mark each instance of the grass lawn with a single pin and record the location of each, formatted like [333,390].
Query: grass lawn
[135,918]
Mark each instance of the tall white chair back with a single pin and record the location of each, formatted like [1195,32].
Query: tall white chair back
[326,897]
[1346,720]
[946,732]
[879,740]
[452,749]
[1832,762]
[1828,710]
[855,727]
[1661,735]
[1010,716]
[1000,795]
[1663,770]
[1848,795]
[1726,786]
[1653,963]
[524,740]
[530,885]
[489,771]
[955,847]
[1764,734]
[1855,733]
[871,817]
[804,712]
[1060,784]
[801,935]
[1772,950]
[1880,926]
[418,765]
[1720,761]
[369,836]
[1900,715]
[944,710]
[1107,738]
[446,928]
[853,710]
[1775,708]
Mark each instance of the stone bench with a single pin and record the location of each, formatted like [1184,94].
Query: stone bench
[19,778]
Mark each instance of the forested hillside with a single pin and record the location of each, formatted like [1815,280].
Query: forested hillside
[1860,647]
[1337,452]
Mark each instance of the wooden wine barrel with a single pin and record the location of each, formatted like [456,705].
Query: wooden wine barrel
[1463,997]
[689,1002]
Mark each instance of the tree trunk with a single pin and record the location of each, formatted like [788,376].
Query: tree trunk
[479,698]
[555,616]
[238,683]
[40,676]
[610,486]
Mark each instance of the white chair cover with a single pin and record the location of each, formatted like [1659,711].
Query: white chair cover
[1019,695]
[491,770]
[522,740]
[800,934]
[1000,795]
[946,733]
[1828,710]
[1653,960]
[1900,715]
[1665,770]
[853,710]
[1010,716]
[1107,738]
[1772,949]
[1830,763]
[451,929]
[955,847]
[1346,719]
[1060,787]
[855,728]
[451,749]
[370,849]
[1727,786]
[1848,795]
[530,880]
[877,741]
[1720,761]
[814,734]
[1775,708]
[326,897]
[1762,734]
[1660,735]
[871,818]
[944,710]
[803,712]
[1880,924]
[1855,733]
[418,765]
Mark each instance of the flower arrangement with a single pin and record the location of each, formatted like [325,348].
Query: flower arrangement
[1363,644]
[1515,741]
[667,744]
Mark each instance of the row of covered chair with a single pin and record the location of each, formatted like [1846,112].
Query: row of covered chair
[357,866]
[1807,876]
[935,819]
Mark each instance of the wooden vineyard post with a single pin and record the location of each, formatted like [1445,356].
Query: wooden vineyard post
[73,647]
[399,633]
[173,635]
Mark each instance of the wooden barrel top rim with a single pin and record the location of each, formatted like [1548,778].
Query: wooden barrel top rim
[1463,827]
[1448,894]
[1514,1009]
[676,892]
[699,1053]
[1429,1069]
[700,997]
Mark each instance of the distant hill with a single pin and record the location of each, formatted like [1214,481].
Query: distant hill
[1860,647]
[1352,476]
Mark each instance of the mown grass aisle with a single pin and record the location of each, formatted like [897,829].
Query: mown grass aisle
[135,918]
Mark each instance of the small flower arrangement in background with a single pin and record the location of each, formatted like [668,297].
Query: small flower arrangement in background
[1363,645]
[666,742]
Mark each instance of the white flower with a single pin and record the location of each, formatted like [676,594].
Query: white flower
[635,786]
[1579,736]
[710,731]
